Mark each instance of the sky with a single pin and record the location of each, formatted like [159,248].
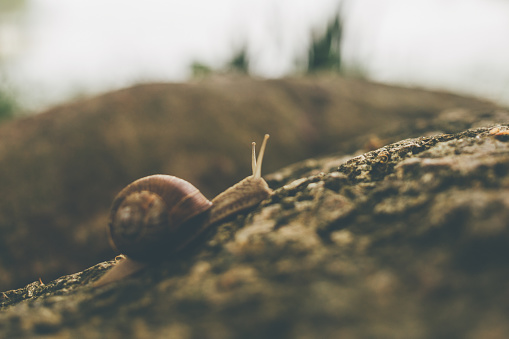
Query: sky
[456,45]
[54,50]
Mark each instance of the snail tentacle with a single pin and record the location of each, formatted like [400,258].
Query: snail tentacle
[258,165]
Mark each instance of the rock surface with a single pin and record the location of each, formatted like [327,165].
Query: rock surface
[410,240]
[61,169]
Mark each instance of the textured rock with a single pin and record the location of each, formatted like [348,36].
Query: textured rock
[63,167]
[410,240]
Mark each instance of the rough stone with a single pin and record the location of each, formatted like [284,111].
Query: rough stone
[410,240]
[60,169]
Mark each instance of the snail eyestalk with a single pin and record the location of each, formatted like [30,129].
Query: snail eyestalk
[253,158]
[258,168]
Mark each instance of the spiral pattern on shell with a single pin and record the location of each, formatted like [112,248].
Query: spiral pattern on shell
[152,216]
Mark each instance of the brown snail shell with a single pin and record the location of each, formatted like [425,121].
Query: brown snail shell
[148,217]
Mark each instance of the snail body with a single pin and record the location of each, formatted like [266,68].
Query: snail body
[155,217]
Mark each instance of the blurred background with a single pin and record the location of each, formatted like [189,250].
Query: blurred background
[201,101]
[55,51]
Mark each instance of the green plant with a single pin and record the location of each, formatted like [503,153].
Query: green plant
[325,53]
[8,106]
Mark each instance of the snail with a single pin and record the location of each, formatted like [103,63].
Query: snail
[156,217]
